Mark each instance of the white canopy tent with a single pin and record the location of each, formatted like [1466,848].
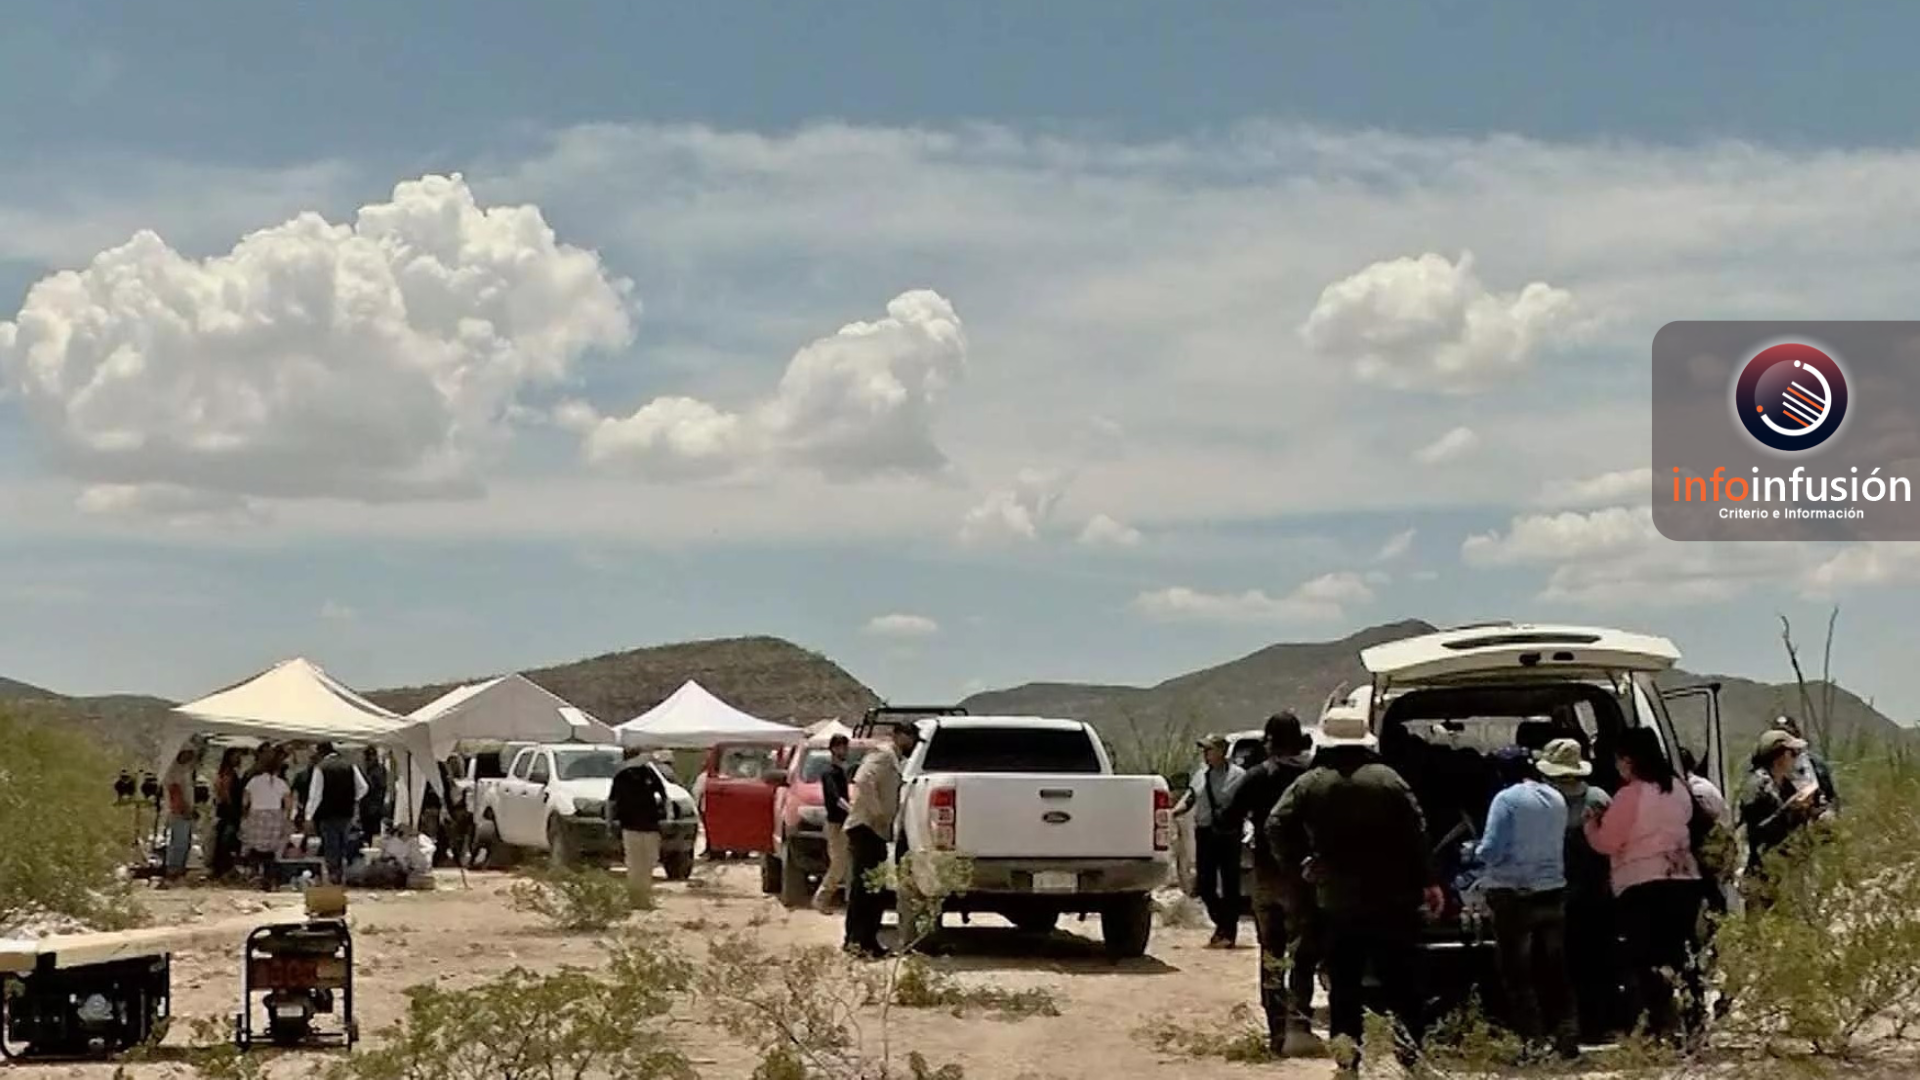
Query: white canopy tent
[822,732]
[693,719]
[293,700]
[509,708]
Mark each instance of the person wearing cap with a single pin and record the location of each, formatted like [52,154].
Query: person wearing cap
[1523,855]
[1592,950]
[1812,768]
[870,816]
[1354,828]
[1281,899]
[1776,805]
[1216,838]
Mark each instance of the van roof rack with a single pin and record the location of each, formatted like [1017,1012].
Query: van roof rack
[880,713]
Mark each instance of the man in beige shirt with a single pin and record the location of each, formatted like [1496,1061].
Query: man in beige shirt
[876,800]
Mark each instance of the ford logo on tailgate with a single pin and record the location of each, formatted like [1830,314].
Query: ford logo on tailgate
[1056,817]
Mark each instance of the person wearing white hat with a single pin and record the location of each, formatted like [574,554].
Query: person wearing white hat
[1354,826]
[1592,948]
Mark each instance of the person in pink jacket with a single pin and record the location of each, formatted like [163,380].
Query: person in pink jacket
[1656,883]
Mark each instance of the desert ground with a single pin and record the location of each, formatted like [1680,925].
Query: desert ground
[460,933]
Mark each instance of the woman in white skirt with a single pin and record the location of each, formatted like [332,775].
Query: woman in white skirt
[267,827]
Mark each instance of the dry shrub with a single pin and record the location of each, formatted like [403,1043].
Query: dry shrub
[1243,1038]
[919,986]
[527,1026]
[574,899]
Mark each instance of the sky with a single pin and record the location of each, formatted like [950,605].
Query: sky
[966,344]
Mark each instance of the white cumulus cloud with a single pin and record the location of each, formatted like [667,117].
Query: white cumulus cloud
[1615,558]
[1104,531]
[1017,513]
[1322,598]
[854,404]
[1396,546]
[1452,446]
[1624,485]
[373,360]
[1429,324]
[902,626]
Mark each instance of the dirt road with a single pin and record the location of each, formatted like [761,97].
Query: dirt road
[461,934]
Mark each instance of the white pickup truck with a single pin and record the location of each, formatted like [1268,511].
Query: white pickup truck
[1033,809]
[553,799]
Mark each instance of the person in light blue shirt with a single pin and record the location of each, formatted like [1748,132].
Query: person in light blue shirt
[1217,838]
[1524,858]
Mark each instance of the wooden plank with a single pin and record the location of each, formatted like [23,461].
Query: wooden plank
[78,950]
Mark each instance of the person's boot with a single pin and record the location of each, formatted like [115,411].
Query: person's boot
[1299,1041]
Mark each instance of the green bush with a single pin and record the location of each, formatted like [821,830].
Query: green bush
[61,836]
[1830,973]
[527,1026]
[574,899]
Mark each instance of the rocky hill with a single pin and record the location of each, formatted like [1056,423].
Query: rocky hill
[765,676]
[1240,693]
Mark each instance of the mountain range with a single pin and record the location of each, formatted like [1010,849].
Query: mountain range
[777,679]
[1241,693]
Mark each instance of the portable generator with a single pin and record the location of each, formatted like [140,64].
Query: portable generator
[55,1011]
[298,972]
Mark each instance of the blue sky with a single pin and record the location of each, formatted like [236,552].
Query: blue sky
[1166,340]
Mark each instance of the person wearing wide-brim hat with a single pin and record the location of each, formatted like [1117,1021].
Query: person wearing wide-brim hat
[1592,955]
[1357,830]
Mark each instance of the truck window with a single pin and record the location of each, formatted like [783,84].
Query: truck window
[1011,750]
[520,766]
[587,764]
[815,765]
[540,773]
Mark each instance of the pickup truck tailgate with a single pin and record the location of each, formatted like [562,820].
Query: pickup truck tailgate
[1050,816]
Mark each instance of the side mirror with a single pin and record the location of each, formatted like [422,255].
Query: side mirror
[774,777]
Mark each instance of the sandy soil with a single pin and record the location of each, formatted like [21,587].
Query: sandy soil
[459,934]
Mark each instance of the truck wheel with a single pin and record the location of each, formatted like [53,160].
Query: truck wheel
[794,890]
[769,873]
[677,864]
[560,851]
[1036,922]
[1125,926]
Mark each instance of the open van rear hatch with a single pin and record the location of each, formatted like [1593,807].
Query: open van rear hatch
[1515,653]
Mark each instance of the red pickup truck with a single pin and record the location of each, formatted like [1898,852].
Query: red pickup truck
[798,861]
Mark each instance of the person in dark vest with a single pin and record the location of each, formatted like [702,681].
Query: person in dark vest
[334,795]
[1282,901]
[637,802]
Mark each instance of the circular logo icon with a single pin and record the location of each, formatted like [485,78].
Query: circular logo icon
[1791,396]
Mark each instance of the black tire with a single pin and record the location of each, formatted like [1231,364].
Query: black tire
[677,864]
[770,874]
[1036,922]
[1126,925]
[795,890]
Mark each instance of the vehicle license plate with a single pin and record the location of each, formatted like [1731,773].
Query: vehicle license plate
[1056,881]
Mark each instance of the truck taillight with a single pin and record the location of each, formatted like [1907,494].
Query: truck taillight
[943,806]
[1163,821]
